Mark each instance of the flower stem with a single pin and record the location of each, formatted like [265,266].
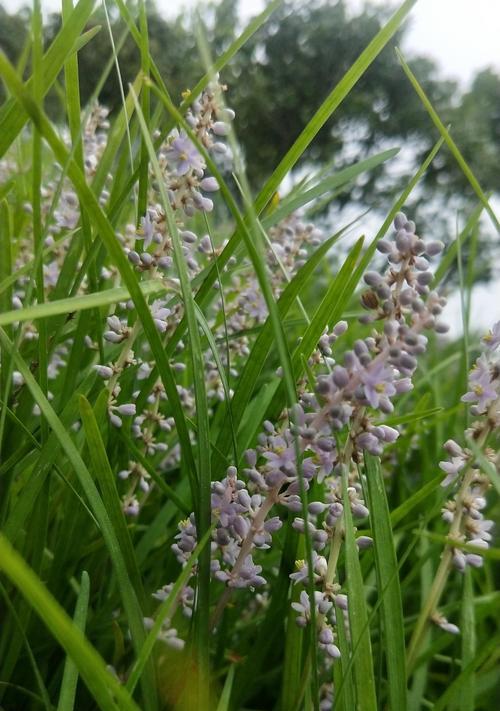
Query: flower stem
[333,556]
[124,354]
[441,576]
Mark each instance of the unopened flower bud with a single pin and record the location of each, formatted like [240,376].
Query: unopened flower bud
[209,185]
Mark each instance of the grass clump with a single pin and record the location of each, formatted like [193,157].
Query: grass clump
[222,448]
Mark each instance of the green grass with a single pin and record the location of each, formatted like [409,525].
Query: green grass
[77,574]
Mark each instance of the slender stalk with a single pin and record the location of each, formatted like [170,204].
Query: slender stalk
[444,568]
[333,556]
[37,206]
[124,354]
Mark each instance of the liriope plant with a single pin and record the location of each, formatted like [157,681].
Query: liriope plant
[222,427]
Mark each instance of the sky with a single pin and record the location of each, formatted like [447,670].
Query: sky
[462,35]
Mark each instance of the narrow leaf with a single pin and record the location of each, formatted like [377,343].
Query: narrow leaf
[455,151]
[358,616]
[78,303]
[70,674]
[107,691]
[386,566]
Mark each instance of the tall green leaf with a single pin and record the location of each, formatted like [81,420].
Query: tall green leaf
[107,234]
[130,602]
[386,567]
[455,151]
[70,674]
[358,615]
[74,304]
[12,115]
[107,691]
[203,510]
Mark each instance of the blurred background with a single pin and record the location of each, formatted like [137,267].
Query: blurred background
[285,71]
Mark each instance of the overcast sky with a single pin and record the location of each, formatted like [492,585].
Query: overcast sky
[462,35]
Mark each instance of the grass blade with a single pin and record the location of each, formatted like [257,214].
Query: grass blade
[111,500]
[202,509]
[488,652]
[332,102]
[451,253]
[386,566]
[12,115]
[130,602]
[78,303]
[455,151]
[107,484]
[399,513]
[70,675]
[336,180]
[223,704]
[106,690]
[343,680]
[107,235]
[164,611]
[358,616]
[469,646]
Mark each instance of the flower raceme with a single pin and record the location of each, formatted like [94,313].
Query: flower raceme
[467,474]
[465,470]
[331,426]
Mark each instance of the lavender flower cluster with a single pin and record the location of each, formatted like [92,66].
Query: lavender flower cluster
[328,429]
[464,511]
[289,244]
[467,473]
[61,214]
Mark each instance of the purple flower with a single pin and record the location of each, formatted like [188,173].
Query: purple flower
[492,338]
[452,469]
[480,383]
[280,458]
[304,608]
[378,383]
[184,156]
[146,230]
[247,577]
[302,574]
[160,313]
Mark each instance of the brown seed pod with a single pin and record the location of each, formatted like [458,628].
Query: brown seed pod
[369,299]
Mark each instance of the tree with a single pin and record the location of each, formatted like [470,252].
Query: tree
[13,36]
